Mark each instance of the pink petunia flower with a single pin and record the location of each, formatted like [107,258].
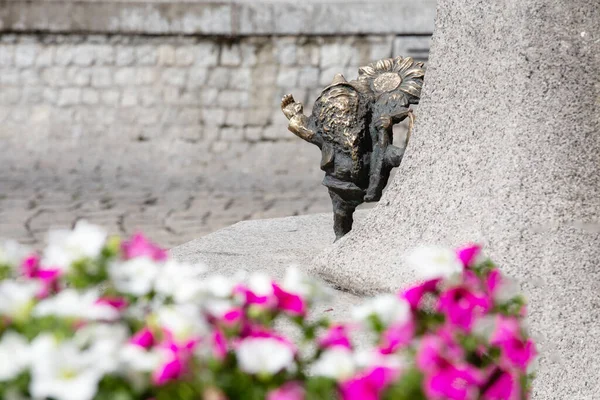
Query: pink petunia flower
[169,371]
[369,385]
[413,295]
[517,352]
[290,303]
[453,383]
[219,345]
[462,306]
[503,385]
[139,246]
[48,277]
[397,336]
[337,335]
[118,303]
[288,391]
[468,255]
[143,338]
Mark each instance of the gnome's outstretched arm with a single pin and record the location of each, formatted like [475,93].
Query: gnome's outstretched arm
[299,123]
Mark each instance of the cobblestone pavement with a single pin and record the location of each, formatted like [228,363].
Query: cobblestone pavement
[174,194]
[172,190]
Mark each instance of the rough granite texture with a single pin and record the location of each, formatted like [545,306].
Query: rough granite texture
[506,152]
[271,246]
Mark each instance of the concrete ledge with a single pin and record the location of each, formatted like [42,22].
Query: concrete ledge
[269,245]
[214,17]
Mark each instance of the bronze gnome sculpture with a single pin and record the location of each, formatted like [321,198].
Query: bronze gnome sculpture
[351,122]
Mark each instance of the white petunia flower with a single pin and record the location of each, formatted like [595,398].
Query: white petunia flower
[16,298]
[387,307]
[432,262]
[12,253]
[373,358]
[180,281]
[264,355]
[138,359]
[218,286]
[136,276]
[260,284]
[184,321]
[68,246]
[14,355]
[62,371]
[295,281]
[70,303]
[103,343]
[336,363]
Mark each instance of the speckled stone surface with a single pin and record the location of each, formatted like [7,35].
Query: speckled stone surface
[270,246]
[506,152]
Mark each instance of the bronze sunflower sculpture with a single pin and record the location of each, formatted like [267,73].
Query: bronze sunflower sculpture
[352,124]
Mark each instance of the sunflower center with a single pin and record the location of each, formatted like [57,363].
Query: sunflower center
[387,82]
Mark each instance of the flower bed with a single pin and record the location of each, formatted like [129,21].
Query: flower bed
[92,317]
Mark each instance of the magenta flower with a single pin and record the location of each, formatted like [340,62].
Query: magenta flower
[169,371]
[368,386]
[289,302]
[118,303]
[139,246]
[462,306]
[143,338]
[397,336]
[517,352]
[414,294]
[233,316]
[503,385]
[219,345]
[452,383]
[251,298]
[337,335]
[288,391]
[437,350]
[30,266]
[468,255]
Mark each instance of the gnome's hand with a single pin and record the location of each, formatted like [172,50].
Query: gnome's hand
[290,107]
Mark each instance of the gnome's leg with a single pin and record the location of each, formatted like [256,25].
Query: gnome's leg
[342,214]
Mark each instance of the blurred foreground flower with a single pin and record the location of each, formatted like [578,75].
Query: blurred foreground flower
[96,318]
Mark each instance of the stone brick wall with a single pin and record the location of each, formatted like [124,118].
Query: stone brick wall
[196,89]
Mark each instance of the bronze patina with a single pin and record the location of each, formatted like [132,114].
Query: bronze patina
[351,122]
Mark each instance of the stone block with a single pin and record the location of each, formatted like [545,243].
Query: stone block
[253,133]
[166,55]
[29,77]
[146,55]
[309,77]
[90,96]
[338,54]
[184,56]
[213,116]
[219,77]
[145,75]
[286,54]
[308,54]
[197,77]
[105,54]
[174,76]
[33,95]
[69,96]
[236,118]
[241,78]
[10,95]
[84,56]
[101,77]
[416,47]
[111,97]
[232,134]
[206,54]
[248,52]
[258,116]
[125,55]
[231,55]
[78,76]
[45,57]
[63,55]
[231,98]
[7,53]
[10,77]
[287,77]
[208,96]
[25,55]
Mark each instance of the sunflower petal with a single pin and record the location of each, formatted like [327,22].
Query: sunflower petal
[368,71]
[411,87]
